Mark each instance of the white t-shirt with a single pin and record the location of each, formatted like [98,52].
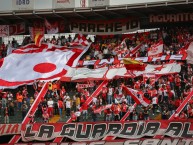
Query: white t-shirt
[50,103]
[68,104]
[154,100]
[94,100]
[110,92]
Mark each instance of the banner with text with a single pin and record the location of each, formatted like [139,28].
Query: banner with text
[16,29]
[23,4]
[169,18]
[98,130]
[110,27]
[98,3]
[64,4]
[164,141]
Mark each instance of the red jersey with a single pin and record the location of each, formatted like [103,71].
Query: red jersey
[60,104]
[116,110]
[4,95]
[104,90]
[73,117]
[170,78]
[84,107]
[137,85]
[178,81]
[124,108]
[153,93]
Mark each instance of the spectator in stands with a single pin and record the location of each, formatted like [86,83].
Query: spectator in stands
[50,104]
[24,109]
[60,107]
[85,111]
[68,107]
[6,115]
[73,116]
[4,99]
[11,108]
[19,100]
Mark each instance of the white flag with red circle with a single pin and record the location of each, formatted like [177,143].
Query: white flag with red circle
[31,63]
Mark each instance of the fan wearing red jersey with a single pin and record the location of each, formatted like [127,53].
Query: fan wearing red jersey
[104,93]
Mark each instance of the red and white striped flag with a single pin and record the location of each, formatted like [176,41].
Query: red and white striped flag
[137,96]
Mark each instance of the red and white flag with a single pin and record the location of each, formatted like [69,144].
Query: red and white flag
[190,53]
[34,31]
[150,76]
[102,108]
[52,28]
[156,49]
[80,40]
[137,96]
[30,63]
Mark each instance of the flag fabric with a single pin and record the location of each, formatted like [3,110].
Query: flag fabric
[151,77]
[112,72]
[34,31]
[102,108]
[121,49]
[133,64]
[38,40]
[52,28]
[80,40]
[48,62]
[134,51]
[190,53]
[156,49]
[137,96]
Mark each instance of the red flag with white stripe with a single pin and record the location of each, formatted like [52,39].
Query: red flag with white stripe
[30,63]
[137,96]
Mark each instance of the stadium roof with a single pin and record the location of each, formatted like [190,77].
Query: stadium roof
[122,11]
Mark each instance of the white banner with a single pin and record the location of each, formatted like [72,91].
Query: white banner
[98,3]
[23,4]
[110,73]
[4,30]
[63,3]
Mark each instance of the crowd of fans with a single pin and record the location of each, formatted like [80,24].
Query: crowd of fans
[66,98]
